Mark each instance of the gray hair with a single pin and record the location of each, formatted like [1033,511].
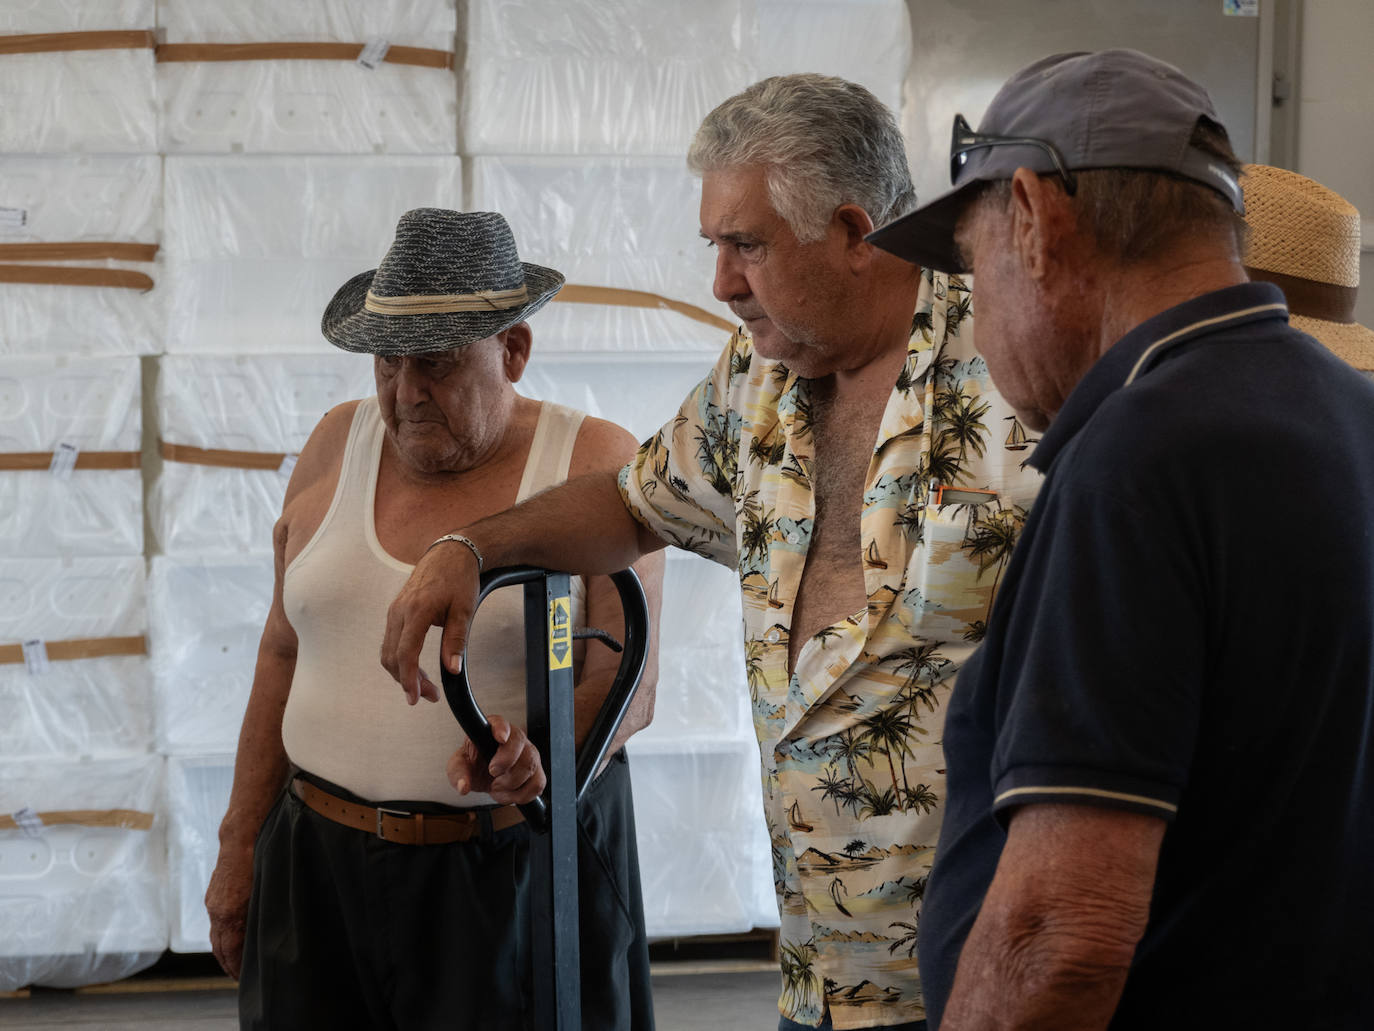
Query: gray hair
[822,142]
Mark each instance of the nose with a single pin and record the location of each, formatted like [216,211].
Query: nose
[729,283]
[412,386]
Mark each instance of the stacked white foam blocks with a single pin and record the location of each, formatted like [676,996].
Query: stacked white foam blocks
[99,101]
[268,184]
[307,106]
[82,853]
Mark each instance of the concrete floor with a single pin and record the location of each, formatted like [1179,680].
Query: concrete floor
[715,1001]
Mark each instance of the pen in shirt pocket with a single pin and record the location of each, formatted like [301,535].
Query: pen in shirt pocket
[943,494]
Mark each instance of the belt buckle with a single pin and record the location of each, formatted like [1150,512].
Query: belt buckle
[389,812]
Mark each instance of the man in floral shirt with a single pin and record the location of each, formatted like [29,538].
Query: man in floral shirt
[848,456]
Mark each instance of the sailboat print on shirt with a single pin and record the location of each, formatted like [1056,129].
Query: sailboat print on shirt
[773,600]
[1017,439]
[872,558]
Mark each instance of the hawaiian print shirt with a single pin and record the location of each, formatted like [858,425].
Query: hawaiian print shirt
[851,742]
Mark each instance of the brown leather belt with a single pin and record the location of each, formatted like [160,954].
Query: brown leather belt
[404,828]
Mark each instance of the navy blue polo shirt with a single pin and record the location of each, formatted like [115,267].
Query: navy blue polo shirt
[1186,629]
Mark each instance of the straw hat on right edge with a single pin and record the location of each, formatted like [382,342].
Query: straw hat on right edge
[1306,239]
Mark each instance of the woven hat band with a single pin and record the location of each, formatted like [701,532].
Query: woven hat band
[438,304]
[1312,298]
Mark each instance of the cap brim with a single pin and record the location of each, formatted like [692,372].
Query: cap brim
[348,325]
[925,237]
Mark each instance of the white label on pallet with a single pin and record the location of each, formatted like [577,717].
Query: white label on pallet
[28,821]
[63,461]
[35,657]
[374,53]
[13,219]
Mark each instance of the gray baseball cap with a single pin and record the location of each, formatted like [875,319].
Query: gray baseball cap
[1109,109]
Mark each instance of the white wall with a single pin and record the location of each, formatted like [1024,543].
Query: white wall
[1336,115]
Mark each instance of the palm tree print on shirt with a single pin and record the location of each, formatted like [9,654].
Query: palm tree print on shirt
[851,766]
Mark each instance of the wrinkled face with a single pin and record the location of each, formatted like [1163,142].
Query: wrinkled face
[445,410]
[788,294]
[1006,309]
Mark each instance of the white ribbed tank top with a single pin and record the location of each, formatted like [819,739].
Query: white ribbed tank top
[346,720]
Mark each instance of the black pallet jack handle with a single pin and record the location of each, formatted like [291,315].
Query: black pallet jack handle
[550,726]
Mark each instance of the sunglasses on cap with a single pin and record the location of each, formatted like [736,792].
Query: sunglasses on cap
[964,139]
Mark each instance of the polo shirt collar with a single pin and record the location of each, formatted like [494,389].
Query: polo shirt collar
[1138,350]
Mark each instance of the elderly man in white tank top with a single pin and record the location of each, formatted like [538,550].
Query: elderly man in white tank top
[330,914]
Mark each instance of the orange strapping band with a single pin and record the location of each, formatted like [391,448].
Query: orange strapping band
[133,819]
[418,56]
[79,648]
[22,461]
[639,299]
[54,42]
[220,458]
[92,250]
[65,275]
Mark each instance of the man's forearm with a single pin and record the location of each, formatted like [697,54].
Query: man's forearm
[1057,930]
[581,526]
[260,765]
[1016,975]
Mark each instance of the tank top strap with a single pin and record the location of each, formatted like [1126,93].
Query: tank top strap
[362,457]
[357,477]
[555,436]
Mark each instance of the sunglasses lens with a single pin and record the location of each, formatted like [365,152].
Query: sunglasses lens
[957,157]
[964,139]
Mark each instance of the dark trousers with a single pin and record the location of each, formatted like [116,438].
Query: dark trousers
[348,931]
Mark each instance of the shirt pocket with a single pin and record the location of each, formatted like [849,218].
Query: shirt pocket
[951,569]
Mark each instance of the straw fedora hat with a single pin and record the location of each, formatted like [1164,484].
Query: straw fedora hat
[1306,239]
[450,278]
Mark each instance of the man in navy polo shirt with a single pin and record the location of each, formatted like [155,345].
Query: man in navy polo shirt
[1161,762]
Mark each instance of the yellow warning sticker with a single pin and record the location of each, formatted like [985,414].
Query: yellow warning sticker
[560,633]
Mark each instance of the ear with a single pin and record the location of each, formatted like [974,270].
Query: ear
[515,350]
[1038,209]
[852,224]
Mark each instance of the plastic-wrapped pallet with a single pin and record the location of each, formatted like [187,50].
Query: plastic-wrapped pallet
[864,41]
[81,871]
[701,661]
[334,101]
[640,394]
[599,76]
[240,410]
[197,797]
[73,671]
[698,811]
[81,98]
[88,499]
[701,687]
[256,247]
[78,238]
[205,618]
[626,223]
